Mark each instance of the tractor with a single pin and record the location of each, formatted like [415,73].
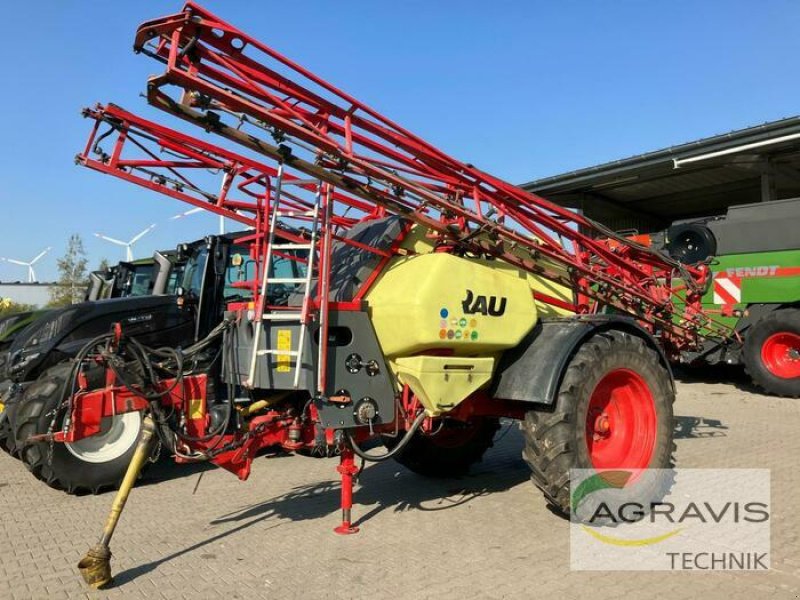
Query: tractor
[49,336]
[210,269]
[426,298]
[134,278]
[10,327]
[115,282]
[137,278]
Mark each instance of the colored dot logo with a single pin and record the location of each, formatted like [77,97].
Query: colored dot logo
[463,322]
[443,313]
[458,334]
[474,335]
[442,334]
[473,323]
[450,334]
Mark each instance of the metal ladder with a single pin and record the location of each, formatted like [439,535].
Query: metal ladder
[263,316]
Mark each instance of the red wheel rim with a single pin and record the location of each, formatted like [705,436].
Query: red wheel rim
[781,354]
[621,423]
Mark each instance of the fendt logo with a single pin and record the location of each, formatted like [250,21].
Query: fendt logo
[493,306]
[761,271]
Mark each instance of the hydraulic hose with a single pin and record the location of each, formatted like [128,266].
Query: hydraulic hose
[167,359]
[394,451]
[229,358]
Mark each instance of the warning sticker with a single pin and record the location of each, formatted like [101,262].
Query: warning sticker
[284,343]
[727,290]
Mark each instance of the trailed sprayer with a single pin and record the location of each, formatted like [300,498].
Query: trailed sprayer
[417,301]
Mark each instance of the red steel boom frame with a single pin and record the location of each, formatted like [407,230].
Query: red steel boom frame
[205,175]
[224,74]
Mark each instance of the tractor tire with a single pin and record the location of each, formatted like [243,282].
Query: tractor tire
[451,451]
[771,352]
[6,430]
[613,411]
[88,465]
[7,441]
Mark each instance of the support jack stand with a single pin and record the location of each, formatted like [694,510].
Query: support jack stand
[347,469]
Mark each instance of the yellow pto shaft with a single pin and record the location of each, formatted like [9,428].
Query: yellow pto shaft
[95,567]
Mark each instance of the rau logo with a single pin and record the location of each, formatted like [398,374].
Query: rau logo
[493,306]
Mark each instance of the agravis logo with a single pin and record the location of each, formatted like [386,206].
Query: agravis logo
[611,480]
[670,519]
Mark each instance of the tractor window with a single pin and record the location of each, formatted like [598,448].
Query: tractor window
[289,264]
[194,271]
[140,281]
[175,278]
[241,269]
[286,265]
[282,267]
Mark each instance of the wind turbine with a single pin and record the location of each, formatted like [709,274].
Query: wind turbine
[196,210]
[31,272]
[129,244]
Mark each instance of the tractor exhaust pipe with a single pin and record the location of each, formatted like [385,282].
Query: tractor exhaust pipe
[95,567]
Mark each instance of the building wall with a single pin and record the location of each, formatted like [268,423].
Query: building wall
[37,294]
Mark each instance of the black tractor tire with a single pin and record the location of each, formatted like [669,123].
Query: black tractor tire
[771,352]
[556,437]
[7,439]
[55,463]
[6,430]
[448,452]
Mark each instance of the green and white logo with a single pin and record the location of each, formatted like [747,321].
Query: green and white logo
[670,519]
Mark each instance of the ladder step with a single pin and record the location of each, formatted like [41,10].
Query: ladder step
[286,280]
[301,182]
[280,316]
[291,246]
[295,213]
[281,352]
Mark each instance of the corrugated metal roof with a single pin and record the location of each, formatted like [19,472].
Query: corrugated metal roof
[650,191]
[767,130]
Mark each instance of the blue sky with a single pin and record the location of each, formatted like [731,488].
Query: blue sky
[523,89]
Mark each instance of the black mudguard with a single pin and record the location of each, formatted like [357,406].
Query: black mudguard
[533,370]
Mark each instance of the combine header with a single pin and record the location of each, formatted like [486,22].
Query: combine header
[426,299]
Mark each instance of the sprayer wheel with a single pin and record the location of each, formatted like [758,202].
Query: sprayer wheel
[613,412]
[450,451]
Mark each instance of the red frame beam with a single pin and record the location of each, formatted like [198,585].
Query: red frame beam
[223,73]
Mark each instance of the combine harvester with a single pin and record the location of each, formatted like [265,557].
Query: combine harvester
[753,253]
[433,299]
